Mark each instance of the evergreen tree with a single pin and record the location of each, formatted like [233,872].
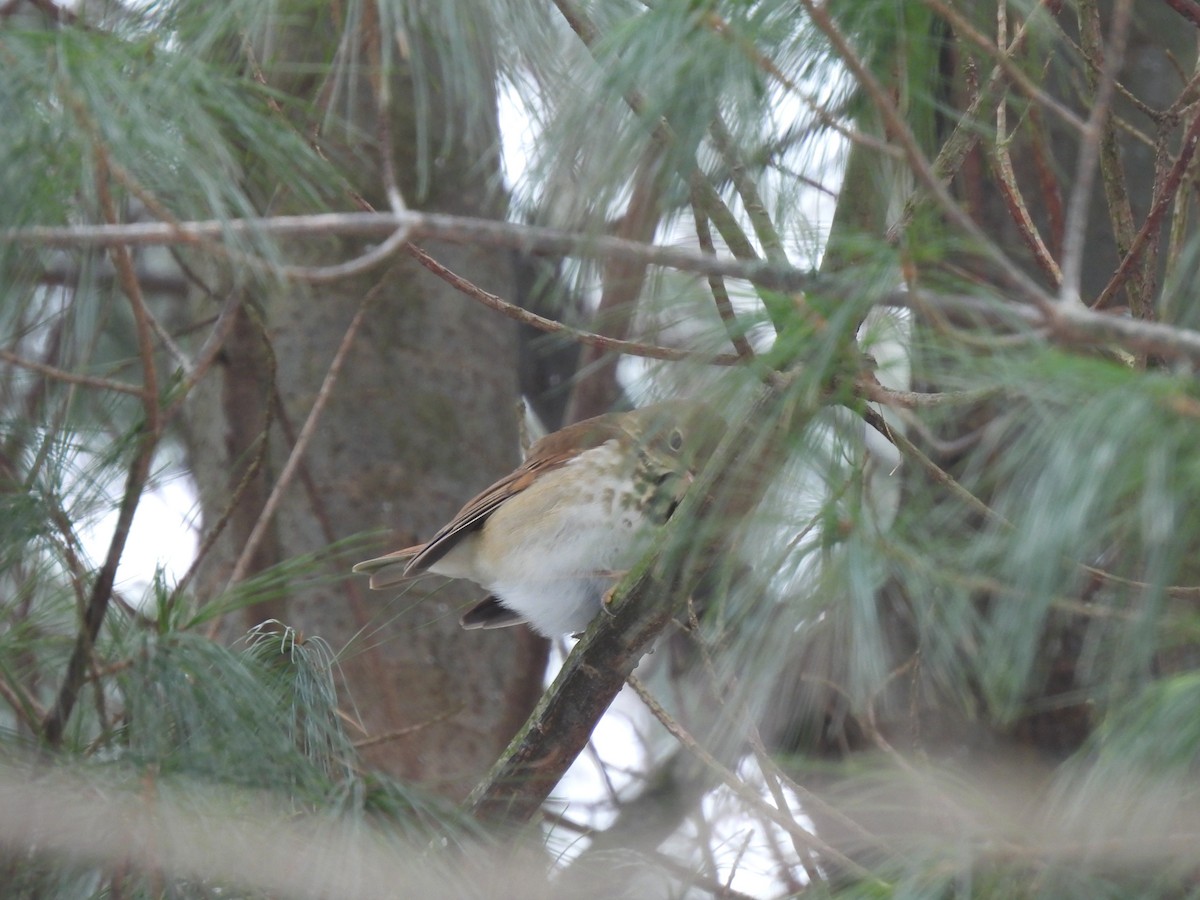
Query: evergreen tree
[921,626]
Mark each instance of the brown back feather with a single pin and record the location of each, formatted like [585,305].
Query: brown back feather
[551,452]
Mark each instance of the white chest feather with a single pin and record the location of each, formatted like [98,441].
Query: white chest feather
[551,551]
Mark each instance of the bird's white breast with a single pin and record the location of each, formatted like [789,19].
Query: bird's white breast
[551,551]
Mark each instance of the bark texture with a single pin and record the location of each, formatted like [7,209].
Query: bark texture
[424,414]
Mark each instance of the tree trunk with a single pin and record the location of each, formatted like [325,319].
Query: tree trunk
[423,415]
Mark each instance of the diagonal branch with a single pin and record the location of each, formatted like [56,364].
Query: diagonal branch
[1112,175]
[918,163]
[302,441]
[553,326]
[720,293]
[54,724]
[1151,226]
[703,192]
[1007,177]
[596,389]
[52,372]
[781,816]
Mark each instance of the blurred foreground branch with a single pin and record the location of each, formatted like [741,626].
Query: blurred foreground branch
[1065,324]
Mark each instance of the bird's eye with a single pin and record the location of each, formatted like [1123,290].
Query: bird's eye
[675,441]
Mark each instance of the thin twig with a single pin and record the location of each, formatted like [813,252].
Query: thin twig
[54,724]
[829,119]
[106,384]
[397,733]
[1120,212]
[780,817]
[596,389]
[1075,234]
[716,284]
[695,879]
[756,210]
[631,348]
[918,163]
[338,271]
[1150,227]
[944,478]
[1049,187]
[1003,58]
[962,140]
[209,539]
[302,441]
[936,472]
[1017,210]
[809,801]
[23,706]
[1007,178]
[872,390]
[702,190]
[221,329]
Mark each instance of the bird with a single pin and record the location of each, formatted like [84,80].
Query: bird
[550,540]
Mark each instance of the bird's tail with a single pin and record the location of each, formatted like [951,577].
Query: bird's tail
[390,569]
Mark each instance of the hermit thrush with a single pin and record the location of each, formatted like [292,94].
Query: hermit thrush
[550,540]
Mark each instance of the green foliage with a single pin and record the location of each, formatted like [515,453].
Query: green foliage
[1030,564]
[174,124]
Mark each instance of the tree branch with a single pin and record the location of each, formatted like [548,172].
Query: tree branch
[1150,227]
[918,163]
[716,284]
[595,389]
[1090,142]
[525,317]
[55,721]
[246,557]
[1067,326]
[106,384]
[434,226]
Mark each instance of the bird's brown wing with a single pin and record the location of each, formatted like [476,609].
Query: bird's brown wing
[551,452]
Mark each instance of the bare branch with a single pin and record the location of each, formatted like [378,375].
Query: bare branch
[1007,178]
[596,389]
[54,724]
[1004,60]
[756,210]
[302,441]
[457,229]
[963,139]
[1150,227]
[1089,156]
[781,817]
[1120,212]
[720,294]
[918,163]
[613,345]
[106,384]
[1068,326]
